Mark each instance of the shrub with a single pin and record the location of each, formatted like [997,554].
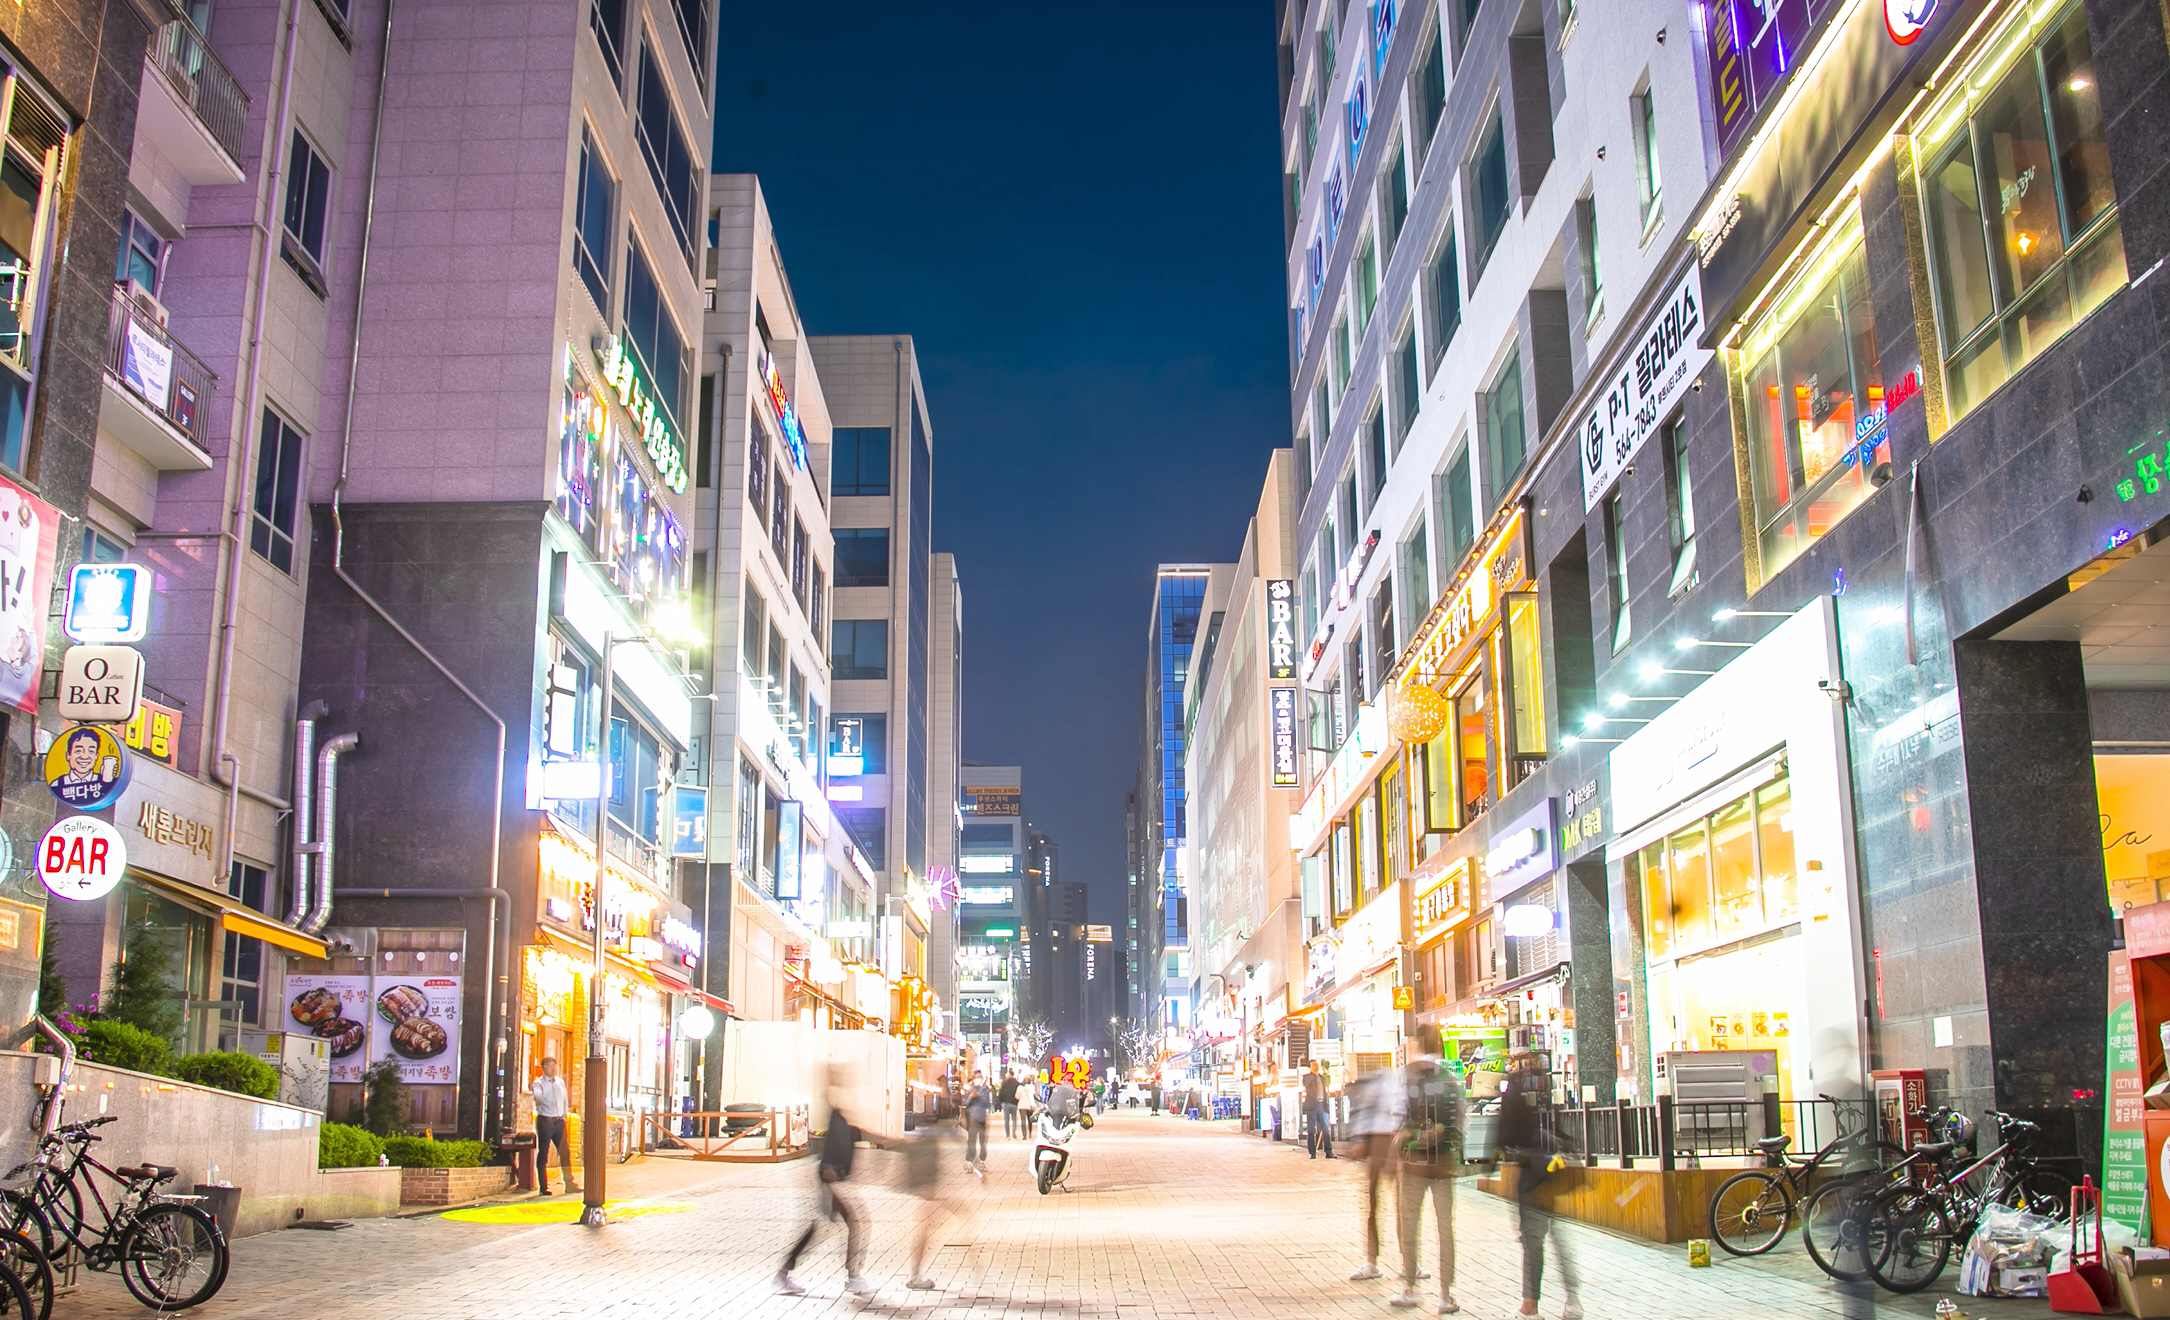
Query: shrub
[384,1104]
[422,1153]
[340,1146]
[243,1074]
[124,1046]
[143,993]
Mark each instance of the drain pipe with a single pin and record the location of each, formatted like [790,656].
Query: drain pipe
[304,756]
[494,996]
[327,815]
[225,766]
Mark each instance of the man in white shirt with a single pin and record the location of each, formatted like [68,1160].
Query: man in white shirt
[548,1091]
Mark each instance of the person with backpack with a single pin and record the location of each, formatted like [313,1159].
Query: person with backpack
[1428,1147]
[838,1145]
[977,1098]
[1524,1142]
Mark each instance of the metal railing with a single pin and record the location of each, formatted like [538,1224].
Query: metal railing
[143,356]
[202,80]
[1669,1132]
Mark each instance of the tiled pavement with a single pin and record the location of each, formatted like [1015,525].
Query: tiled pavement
[1167,1218]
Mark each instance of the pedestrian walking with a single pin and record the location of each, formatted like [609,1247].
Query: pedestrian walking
[1028,1109]
[1428,1148]
[1006,1096]
[977,1099]
[548,1092]
[923,1161]
[1156,1095]
[1524,1142]
[838,1146]
[1317,1131]
[1374,1117]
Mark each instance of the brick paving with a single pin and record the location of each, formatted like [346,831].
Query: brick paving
[1168,1220]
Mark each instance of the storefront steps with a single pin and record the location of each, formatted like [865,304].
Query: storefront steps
[1652,1204]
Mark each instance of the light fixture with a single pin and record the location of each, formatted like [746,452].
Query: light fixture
[696,1022]
[1616,700]
[1415,712]
[1722,615]
[1687,644]
[1592,720]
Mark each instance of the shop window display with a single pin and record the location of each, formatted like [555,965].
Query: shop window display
[1525,661]
[1394,816]
[2018,202]
[1472,777]
[1814,401]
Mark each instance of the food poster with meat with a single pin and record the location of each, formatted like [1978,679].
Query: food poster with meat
[416,1020]
[29,530]
[337,1010]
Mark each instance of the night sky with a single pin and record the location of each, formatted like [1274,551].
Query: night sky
[1076,212]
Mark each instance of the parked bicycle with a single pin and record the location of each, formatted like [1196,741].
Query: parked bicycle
[1751,1211]
[1908,1229]
[170,1251]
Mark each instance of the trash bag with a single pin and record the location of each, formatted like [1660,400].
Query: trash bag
[2010,1254]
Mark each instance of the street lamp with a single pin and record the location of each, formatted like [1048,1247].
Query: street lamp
[669,627]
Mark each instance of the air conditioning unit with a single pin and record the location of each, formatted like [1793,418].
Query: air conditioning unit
[145,303]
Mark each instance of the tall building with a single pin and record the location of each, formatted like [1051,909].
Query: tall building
[994,934]
[1179,592]
[945,756]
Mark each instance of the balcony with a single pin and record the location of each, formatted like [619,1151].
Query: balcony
[157,393]
[192,109]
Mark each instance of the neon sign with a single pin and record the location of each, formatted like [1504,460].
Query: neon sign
[638,400]
[786,416]
[1904,19]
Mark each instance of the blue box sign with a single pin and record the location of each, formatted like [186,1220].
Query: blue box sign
[107,603]
[689,822]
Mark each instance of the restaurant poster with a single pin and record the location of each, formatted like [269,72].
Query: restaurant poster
[2124,1139]
[416,1021]
[29,533]
[336,1009]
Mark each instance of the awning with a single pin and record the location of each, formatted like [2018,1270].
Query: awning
[239,920]
[1556,970]
[691,991]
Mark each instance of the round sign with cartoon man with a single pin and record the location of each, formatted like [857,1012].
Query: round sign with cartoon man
[87,768]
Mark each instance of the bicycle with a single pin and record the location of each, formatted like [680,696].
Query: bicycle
[1751,1211]
[1908,1230]
[168,1249]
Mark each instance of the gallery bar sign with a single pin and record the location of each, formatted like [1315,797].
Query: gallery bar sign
[1284,736]
[1281,628]
[1666,358]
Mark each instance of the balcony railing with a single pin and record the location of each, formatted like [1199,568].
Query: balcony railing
[202,82]
[144,357]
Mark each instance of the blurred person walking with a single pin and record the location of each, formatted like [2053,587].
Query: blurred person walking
[1317,1131]
[1006,1096]
[977,1100]
[1428,1148]
[923,1161]
[1524,1141]
[838,1146]
[1374,1117]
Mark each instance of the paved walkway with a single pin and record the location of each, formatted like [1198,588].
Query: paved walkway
[1168,1220]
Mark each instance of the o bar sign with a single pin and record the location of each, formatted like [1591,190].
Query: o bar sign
[81,858]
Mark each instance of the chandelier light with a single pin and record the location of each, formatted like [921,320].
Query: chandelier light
[1416,713]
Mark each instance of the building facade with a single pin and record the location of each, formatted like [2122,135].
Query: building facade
[1163,947]
[994,932]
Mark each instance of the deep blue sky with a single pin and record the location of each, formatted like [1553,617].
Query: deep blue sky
[1076,212]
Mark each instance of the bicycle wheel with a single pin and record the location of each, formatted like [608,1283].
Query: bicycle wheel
[1908,1240]
[1833,1229]
[174,1257]
[19,1215]
[20,1256]
[1750,1212]
[62,1205]
[16,1302]
[2039,1192]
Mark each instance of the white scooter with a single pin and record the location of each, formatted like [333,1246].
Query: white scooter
[1051,1149]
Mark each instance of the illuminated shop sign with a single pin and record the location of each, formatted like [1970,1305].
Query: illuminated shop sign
[988,864]
[1904,19]
[1445,900]
[1520,853]
[1359,116]
[989,800]
[1337,200]
[637,397]
[787,417]
[1280,628]
[1644,388]
[1753,45]
[1502,564]
[1382,31]
[991,895]
[1284,736]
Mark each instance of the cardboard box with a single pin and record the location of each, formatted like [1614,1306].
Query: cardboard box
[2142,1285]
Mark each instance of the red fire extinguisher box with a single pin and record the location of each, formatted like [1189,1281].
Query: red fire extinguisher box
[1900,1092]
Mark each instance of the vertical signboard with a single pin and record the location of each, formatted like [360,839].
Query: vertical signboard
[28,534]
[788,832]
[689,821]
[2124,1138]
[1280,629]
[1730,105]
[1283,705]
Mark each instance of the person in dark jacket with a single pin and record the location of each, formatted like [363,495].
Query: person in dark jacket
[977,1098]
[1317,1130]
[1006,1096]
[838,1145]
[1523,1140]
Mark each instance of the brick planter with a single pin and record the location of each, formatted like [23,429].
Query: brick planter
[452,1186]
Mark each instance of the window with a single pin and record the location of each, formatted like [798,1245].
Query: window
[859,648]
[862,556]
[22,198]
[1416,574]
[816,608]
[693,26]
[1809,374]
[1503,437]
[1616,572]
[1393,202]
[1489,198]
[1648,187]
[1525,674]
[864,824]
[1322,411]
[1428,98]
[1303,467]
[308,205]
[1593,271]
[2024,237]
[859,745]
[798,561]
[859,460]
[1342,357]
[1679,507]
[1723,876]
[242,976]
[607,21]
[654,335]
[780,515]
[1457,515]
[705,426]
[99,548]
[278,492]
[757,472]
[1375,459]
[1367,286]
[1408,393]
[1443,295]
[1465,14]
[636,778]
[663,143]
[1350,527]
[754,626]
[1328,51]
[1311,128]
[1471,723]
[594,204]
[142,254]
[1385,646]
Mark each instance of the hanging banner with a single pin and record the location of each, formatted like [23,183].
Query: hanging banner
[2124,1137]
[416,1021]
[1284,736]
[336,1010]
[1280,629]
[1664,358]
[29,530]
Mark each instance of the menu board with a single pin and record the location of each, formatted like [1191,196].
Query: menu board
[416,1021]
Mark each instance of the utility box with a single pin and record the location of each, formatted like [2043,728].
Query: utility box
[1721,1098]
[304,1063]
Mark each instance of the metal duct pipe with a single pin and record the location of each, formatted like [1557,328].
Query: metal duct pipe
[304,766]
[327,814]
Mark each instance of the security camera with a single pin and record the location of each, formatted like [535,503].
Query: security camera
[1696,385]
